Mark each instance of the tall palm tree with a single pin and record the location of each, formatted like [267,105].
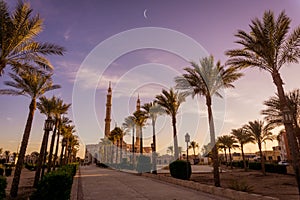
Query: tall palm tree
[61,122]
[140,120]
[47,107]
[260,134]
[74,145]
[193,146]
[67,133]
[269,46]
[33,84]
[273,114]
[228,141]
[243,137]
[170,102]
[129,125]
[206,80]
[61,108]
[117,135]
[153,110]
[18,47]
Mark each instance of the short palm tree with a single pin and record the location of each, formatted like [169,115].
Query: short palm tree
[61,108]
[67,131]
[193,146]
[228,141]
[260,134]
[18,32]
[170,101]
[242,137]
[33,84]
[269,46]
[140,118]
[47,107]
[129,125]
[153,110]
[61,122]
[207,80]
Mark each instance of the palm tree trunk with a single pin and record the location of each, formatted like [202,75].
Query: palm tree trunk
[61,155]
[121,148]
[213,142]
[117,152]
[17,173]
[230,158]
[225,156]
[133,149]
[262,160]
[66,152]
[243,157]
[56,150]
[41,158]
[141,140]
[154,170]
[288,127]
[175,138]
[51,147]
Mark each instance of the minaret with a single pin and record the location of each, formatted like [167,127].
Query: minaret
[108,111]
[137,139]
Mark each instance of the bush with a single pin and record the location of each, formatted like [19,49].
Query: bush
[56,184]
[180,169]
[1,171]
[240,186]
[3,185]
[8,171]
[30,167]
[272,168]
[143,164]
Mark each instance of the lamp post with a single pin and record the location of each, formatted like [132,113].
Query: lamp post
[187,140]
[48,126]
[64,143]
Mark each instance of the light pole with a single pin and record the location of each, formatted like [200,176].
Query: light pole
[187,140]
[48,126]
[64,143]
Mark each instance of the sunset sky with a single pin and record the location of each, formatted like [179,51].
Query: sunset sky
[140,60]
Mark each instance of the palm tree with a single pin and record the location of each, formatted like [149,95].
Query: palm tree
[206,80]
[170,150]
[193,146]
[117,135]
[273,114]
[129,124]
[61,108]
[140,120]
[7,153]
[228,141]
[170,102]
[18,47]
[243,137]
[47,107]
[67,133]
[153,110]
[74,147]
[61,121]
[33,84]
[260,134]
[269,46]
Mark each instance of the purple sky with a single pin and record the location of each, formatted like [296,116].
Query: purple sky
[81,25]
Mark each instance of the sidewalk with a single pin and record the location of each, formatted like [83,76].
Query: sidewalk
[92,182]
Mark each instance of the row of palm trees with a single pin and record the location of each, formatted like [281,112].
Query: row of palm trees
[31,72]
[253,132]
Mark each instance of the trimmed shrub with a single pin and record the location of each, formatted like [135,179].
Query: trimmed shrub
[272,168]
[3,184]
[56,184]
[8,171]
[30,167]
[180,169]
[1,171]
[143,164]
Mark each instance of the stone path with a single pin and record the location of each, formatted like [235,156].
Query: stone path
[98,183]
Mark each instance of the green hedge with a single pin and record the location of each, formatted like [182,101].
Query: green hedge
[3,184]
[56,184]
[143,164]
[180,169]
[1,171]
[272,168]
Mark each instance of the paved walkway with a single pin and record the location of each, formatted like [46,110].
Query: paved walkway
[98,183]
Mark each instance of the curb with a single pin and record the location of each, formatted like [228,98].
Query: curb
[76,191]
[218,191]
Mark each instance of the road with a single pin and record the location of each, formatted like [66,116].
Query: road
[97,183]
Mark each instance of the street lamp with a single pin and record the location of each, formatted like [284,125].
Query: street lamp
[287,115]
[187,140]
[48,125]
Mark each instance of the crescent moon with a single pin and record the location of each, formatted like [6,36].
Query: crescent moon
[145,14]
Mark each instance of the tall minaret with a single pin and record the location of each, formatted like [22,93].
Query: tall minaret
[108,111]
[137,139]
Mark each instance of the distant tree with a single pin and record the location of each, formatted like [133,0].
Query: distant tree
[7,154]
[260,133]
[193,146]
[170,150]
[228,141]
